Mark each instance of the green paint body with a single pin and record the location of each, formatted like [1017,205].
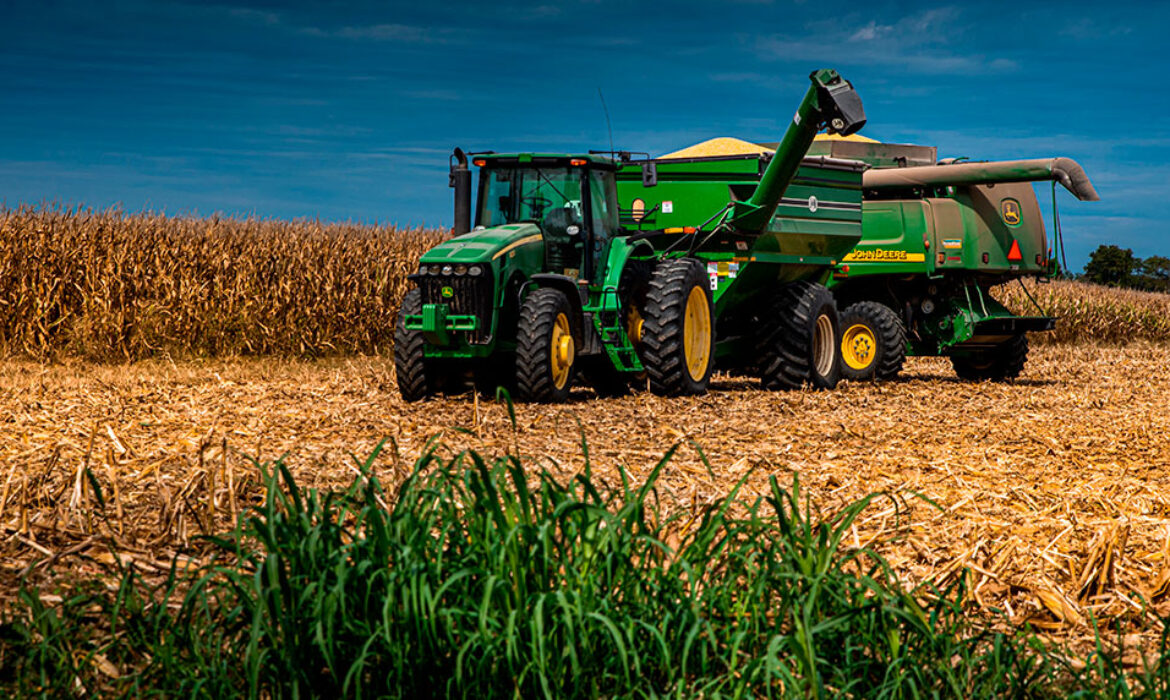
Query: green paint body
[816,222]
[935,257]
[751,238]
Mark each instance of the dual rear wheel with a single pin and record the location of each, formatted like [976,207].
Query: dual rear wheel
[797,342]
[675,333]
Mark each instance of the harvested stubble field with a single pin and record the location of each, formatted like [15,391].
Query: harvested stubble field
[1051,493]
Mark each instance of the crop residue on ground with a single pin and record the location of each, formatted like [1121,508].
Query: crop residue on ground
[1049,493]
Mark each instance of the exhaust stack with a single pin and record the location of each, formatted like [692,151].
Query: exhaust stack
[460,179]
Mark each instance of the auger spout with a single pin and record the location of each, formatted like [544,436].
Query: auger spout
[831,103]
[1066,171]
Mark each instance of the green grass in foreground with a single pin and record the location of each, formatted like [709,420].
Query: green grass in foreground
[467,582]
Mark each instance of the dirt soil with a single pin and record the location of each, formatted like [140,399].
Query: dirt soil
[1050,494]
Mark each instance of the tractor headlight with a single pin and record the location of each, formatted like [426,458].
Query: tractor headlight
[432,269]
[446,270]
[461,269]
[475,270]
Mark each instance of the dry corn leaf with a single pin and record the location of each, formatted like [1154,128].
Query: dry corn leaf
[1060,606]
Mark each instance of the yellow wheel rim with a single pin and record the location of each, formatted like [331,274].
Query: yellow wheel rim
[859,346]
[562,351]
[697,334]
[634,323]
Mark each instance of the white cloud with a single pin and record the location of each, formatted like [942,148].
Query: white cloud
[871,31]
[255,16]
[384,31]
[919,43]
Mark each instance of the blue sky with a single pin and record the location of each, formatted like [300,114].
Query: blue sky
[348,111]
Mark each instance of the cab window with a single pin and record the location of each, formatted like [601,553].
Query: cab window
[511,195]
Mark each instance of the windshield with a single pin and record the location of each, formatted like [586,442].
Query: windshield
[509,195]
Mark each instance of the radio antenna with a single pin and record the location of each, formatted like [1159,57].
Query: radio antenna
[607,124]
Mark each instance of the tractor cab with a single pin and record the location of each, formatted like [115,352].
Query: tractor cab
[571,199]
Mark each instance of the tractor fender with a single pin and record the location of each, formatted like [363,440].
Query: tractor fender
[582,332]
[620,252]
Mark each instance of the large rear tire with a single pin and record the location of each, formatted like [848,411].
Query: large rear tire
[415,374]
[797,344]
[1000,363]
[678,329]
[546,352]
[873,342]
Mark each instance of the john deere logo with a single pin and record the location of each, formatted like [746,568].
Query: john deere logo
[1010,209]
[448,292]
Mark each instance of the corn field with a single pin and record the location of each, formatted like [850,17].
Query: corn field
[110,285]
[1090,312]
[116,286]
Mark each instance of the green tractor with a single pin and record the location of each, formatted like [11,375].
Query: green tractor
[555,282]
[936,238]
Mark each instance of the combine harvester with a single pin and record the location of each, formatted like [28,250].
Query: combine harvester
[937,235]
[550,283]
[936,238]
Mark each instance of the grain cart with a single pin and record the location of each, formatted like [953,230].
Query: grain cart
[936,238]
[550,282]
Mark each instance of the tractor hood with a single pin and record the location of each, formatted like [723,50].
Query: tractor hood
[483,245]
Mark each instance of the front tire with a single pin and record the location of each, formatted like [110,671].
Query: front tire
[798,342]
[678,330]
[1001,363]
[415,374]
[546,352]
[873,342]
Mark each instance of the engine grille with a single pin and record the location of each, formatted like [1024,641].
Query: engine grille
[471,296]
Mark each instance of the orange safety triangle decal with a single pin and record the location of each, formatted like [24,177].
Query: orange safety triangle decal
[1014,253]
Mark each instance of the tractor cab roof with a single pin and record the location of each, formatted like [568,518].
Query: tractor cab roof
[513,160]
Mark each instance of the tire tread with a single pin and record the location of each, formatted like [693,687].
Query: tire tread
[891,337]
[538,314]
[1007,361]
[410,363]
[784,349]
[662,334]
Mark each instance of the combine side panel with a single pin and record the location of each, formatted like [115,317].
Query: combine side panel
[948,234]
[893,239]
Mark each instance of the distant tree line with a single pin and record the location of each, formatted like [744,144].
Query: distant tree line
[1118,267]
